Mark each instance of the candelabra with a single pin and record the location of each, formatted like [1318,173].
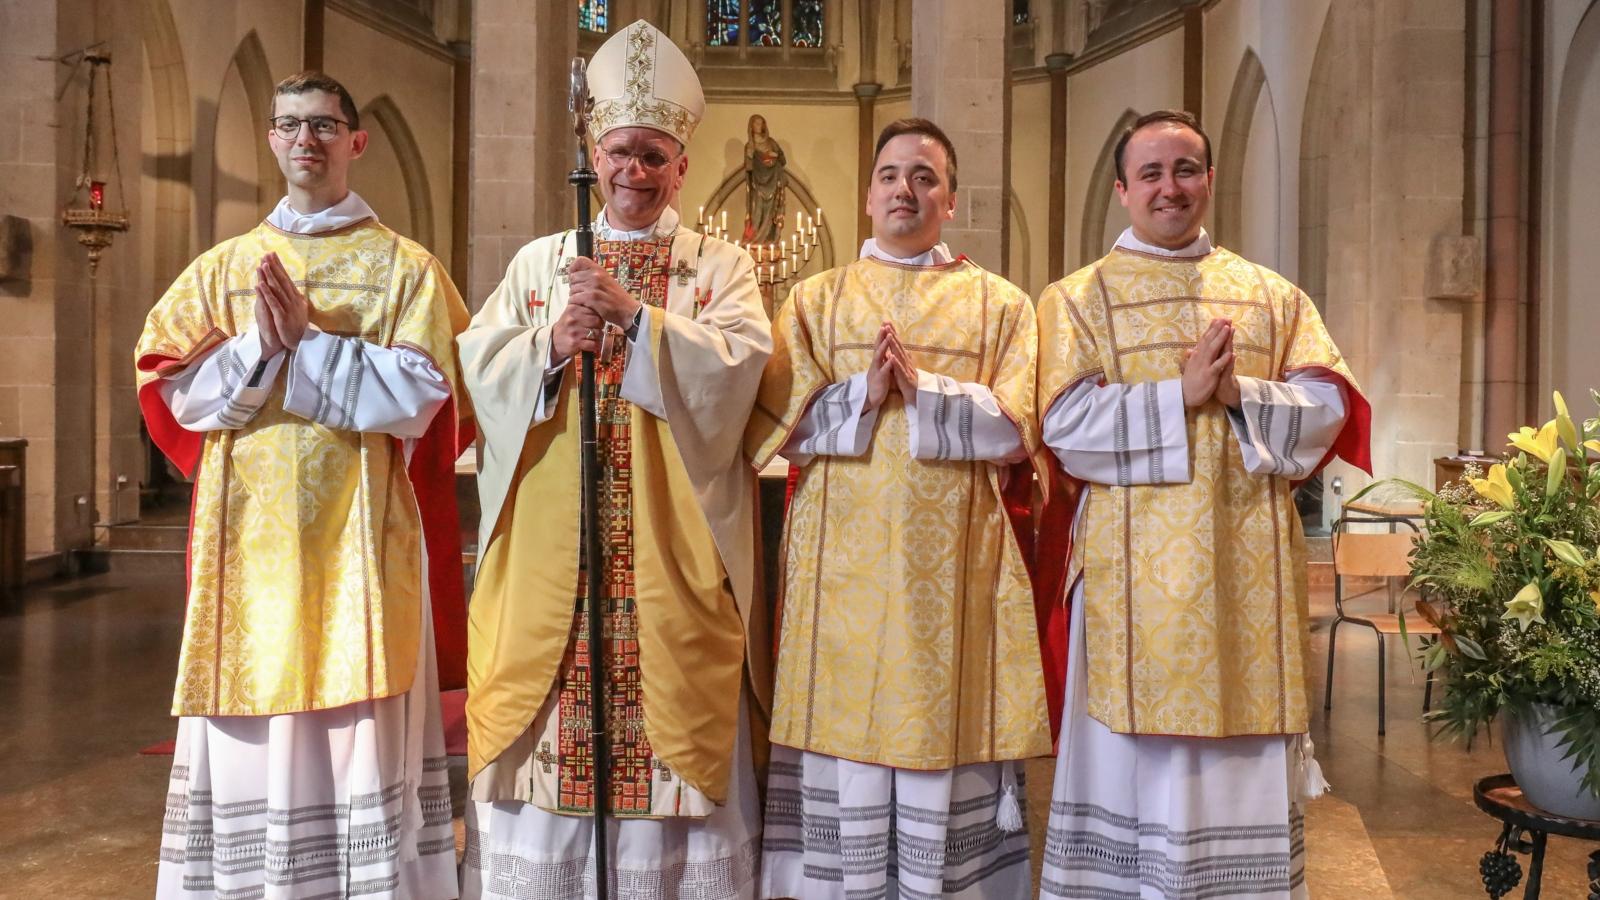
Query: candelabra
[776,261]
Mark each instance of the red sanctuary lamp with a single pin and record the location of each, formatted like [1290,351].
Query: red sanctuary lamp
[96,226]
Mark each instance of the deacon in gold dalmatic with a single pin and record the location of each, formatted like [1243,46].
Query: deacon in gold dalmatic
[901,387]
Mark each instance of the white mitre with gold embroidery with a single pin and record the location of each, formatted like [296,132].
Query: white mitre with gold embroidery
[639,78]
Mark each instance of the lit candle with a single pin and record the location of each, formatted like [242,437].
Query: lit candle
[784,272]
[819,215]
[701,218]
[724,224]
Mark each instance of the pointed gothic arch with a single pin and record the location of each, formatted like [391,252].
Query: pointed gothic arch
[1249,88]
[259,185]
[174,140]
[1315,124]
[1091,239]
[384,115]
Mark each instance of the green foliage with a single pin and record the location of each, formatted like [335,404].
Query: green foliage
[1512,553]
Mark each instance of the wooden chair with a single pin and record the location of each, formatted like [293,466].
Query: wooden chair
[1362,555]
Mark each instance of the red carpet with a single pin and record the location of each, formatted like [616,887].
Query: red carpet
[452,708]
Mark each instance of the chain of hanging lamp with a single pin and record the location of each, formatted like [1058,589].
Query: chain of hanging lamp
[97,226]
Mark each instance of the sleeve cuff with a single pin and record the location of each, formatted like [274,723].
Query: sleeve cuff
[317,364]
[255,374]
[836,423]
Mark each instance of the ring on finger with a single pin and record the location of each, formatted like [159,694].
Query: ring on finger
[591,334]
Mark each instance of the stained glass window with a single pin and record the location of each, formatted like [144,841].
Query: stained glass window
[807,31]
[592,15]
[762,22]
[766,23]
[722,23]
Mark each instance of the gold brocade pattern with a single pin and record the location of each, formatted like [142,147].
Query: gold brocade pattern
[908,636]
[305,547]
[1196,610]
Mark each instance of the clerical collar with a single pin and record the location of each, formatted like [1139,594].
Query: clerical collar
[1200,246]
[664,226]
[347,211]
[937,255]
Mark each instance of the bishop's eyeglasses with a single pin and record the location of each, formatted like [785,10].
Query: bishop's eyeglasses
[326,128]
[650,160]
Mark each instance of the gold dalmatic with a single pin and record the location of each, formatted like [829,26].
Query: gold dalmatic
[908,628]
[305,544]
[1195,593]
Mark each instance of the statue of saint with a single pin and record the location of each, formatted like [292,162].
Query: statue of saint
[765,181]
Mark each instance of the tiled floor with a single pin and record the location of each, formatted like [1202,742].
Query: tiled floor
[86,677]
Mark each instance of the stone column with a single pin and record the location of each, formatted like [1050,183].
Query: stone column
[867,87]
[66,386]
[522,141]
[314,37]
[867,139]
[1056,64]
[28,386]
[960,81]
[461,164]
[1418,90]
[1507,308]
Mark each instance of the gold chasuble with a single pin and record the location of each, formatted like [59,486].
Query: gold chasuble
[1196,610]
[908,634]
[305,545]
[685,630]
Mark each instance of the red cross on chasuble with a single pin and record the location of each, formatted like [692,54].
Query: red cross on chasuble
[642,268]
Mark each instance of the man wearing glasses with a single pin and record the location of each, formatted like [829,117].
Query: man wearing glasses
[305,374]
[677,321]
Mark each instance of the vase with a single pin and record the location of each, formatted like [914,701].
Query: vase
[1533,751]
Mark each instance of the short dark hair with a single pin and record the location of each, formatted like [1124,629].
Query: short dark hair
[1179,117]
[914,125]
[312,80]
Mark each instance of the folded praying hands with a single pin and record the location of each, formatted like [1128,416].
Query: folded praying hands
[282,311]
[1208,368]
[891,364]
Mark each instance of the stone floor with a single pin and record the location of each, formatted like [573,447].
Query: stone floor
[86,674]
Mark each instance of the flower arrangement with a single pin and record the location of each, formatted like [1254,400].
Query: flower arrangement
[1511,562]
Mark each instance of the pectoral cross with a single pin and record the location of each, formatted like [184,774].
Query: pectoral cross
[659,766]
[561,271]
[545,757]
[683,272]
[625,276]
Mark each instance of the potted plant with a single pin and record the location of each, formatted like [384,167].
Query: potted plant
[1510,562]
